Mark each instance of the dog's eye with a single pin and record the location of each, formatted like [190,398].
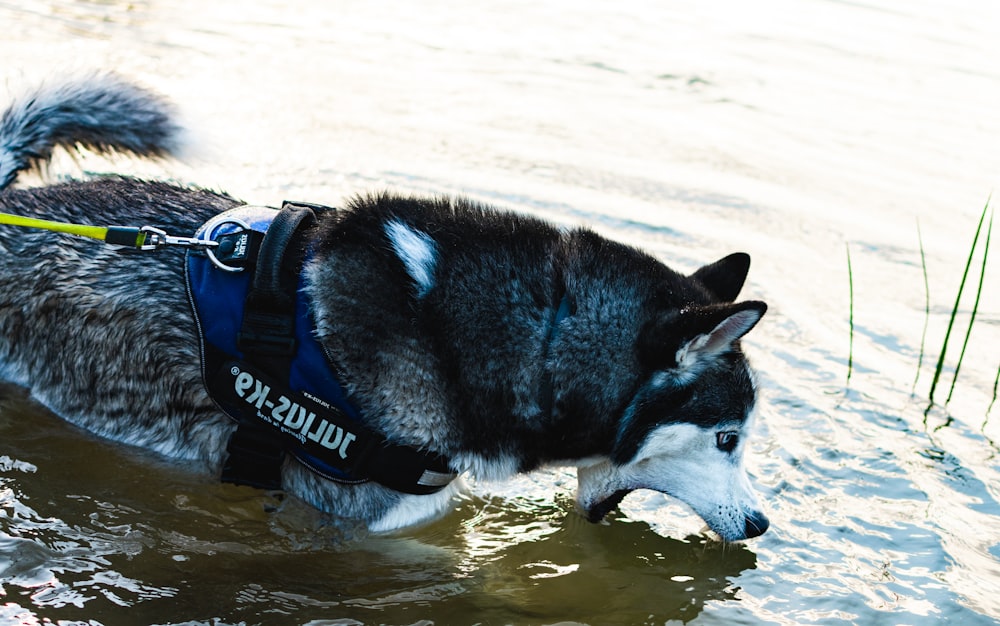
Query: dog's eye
[727,440]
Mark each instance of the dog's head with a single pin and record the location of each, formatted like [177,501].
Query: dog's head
[683,432]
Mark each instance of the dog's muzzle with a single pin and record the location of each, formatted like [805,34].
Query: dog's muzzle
[756,525]
[600,510]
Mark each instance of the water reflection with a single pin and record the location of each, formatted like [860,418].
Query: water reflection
[638,574]
[766,127]
[227,553]
[96,19]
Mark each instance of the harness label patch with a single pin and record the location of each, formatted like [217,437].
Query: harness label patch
[241,246]
[294,414]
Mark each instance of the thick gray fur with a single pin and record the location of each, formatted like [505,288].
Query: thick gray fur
[439,315]
[103,112]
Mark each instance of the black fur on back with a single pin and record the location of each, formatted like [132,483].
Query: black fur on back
[482,330]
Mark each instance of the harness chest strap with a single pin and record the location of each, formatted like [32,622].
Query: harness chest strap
[272,378]
[320,433]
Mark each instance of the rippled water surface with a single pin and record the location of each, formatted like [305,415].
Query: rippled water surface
[791,130]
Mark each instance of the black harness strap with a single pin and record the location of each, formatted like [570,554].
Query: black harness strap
[271,417]
[267,339]
[268,331]
[320,432]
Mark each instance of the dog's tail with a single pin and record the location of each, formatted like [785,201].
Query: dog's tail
[101,112]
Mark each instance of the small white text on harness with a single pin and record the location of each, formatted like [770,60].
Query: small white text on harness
[289,416]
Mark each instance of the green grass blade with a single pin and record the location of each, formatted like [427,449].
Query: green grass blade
[927,308]
[850,287]
[954,310]
[975,308]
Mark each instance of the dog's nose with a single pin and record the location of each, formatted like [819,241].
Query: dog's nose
[756,524]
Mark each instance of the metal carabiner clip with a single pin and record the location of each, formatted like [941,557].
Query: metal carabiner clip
[156,238]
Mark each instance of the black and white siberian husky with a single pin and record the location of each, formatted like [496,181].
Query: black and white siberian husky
[490,341]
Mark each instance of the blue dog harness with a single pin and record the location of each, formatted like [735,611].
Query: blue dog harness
[265,369]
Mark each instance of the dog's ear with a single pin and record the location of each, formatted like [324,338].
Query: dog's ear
[684,341]
[725,277]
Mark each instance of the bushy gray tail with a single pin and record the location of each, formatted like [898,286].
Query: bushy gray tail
[101,112]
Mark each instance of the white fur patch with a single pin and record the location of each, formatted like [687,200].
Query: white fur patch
[417,251]
[687,355]
[692,357]
[17,374]
[412,509]
[677,440]
[488,469]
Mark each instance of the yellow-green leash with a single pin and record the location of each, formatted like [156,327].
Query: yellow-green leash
[140,238]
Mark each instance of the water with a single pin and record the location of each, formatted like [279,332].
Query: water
[790,130]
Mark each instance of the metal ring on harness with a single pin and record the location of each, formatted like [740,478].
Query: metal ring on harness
[208,233]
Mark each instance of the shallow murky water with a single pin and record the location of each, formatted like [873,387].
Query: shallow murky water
[790,130]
